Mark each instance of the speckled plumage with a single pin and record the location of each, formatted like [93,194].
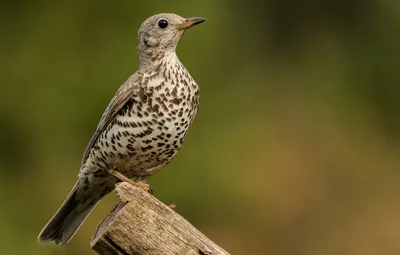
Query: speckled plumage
[142,128]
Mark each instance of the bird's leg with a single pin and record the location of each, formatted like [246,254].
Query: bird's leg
[141,185]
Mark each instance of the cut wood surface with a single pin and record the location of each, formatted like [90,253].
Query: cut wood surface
[141,224]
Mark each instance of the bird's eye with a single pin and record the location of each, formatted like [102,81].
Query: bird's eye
[162,23]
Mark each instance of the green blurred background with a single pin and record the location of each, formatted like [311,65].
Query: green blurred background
[295,149]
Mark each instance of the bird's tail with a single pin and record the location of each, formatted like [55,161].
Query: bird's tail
[69,217]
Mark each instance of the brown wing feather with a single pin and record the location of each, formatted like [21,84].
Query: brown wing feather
[120,99]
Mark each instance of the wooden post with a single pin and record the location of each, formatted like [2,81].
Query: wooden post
[141,224]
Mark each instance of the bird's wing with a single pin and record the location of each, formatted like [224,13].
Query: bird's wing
[120,99]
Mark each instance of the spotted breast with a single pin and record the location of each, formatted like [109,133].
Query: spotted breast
[149,130]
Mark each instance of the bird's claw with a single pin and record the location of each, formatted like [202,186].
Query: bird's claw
[144,186]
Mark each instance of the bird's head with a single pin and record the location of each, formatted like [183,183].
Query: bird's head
[161,33]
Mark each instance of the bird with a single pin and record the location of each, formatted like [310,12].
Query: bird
[142,128]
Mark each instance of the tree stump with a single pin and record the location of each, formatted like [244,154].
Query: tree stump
[141,224]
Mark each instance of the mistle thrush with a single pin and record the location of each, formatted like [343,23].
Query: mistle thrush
[142,128]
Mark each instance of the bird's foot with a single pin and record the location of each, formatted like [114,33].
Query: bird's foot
[144,186]
[172,206]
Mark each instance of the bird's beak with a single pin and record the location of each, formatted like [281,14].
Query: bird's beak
[190,22]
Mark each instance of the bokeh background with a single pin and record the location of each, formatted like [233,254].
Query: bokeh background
[295,150]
